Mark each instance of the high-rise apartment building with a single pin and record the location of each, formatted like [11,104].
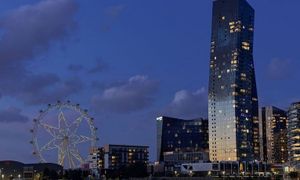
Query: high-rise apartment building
[96,158]
[294,135]
[233,103]
[179,137]
[273,135]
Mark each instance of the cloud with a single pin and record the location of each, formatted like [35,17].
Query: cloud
[135,94]
[75,67]
[98,85]
[27,32]
[42,92]
[12,115]
[39,82]
[99,66]
[187,104]
[279,69]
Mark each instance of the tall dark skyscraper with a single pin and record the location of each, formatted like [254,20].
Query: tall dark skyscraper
[233,103]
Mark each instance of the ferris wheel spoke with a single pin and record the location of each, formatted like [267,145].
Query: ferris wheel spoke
[61,156]
[82,139]
[77,155]
[62,123]
[49,146]
[50,129]
[75,125]
[70,159]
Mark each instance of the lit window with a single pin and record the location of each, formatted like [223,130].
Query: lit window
[254,99]
[235,26]
[246,45]
[234,85]
[234,62]
[246,48]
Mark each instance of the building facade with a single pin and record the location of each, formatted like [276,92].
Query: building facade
[294,135]
[114,157]
[224,169]
[117,156]
[96,160]
[232,101]
[273,133]
[178,135]
[185,157]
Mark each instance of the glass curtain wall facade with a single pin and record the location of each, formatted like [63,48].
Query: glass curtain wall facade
[233,103]
[180,136]
[273,133]
[294,135]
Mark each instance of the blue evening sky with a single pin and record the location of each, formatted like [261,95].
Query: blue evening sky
[128,61]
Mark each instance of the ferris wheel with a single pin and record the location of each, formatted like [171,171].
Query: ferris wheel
[64,137]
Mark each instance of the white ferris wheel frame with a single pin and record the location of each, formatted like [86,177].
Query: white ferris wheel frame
[65,137]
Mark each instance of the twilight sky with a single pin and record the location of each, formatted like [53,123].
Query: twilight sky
[127,62]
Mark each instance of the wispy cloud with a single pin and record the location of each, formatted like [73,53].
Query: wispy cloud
[188,104]
[12,115]
[135,94]
[99,66]
[29,31]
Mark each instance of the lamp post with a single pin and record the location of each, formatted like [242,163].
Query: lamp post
[1,172]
